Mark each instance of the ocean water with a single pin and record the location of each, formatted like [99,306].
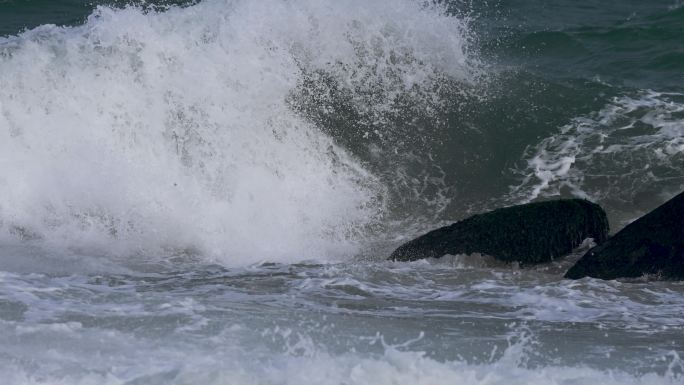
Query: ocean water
[205,192]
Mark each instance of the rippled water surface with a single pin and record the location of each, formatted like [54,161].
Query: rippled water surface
[339,323]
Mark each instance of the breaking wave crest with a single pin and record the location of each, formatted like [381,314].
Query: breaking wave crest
[621,156]
[193,130]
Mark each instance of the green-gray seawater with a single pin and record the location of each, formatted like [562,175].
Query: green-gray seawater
[205,192]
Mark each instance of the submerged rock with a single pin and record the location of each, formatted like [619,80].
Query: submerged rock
[651,245]
[530,234]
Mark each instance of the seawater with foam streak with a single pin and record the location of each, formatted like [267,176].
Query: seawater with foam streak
[204,193]
[348,323]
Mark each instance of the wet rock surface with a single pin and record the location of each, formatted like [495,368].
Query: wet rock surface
[529,234]
[651,245]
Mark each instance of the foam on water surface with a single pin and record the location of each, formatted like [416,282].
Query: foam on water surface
[338,324]
[392,368]
[619,156]
[151,159]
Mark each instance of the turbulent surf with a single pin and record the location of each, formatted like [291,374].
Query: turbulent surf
[206,191]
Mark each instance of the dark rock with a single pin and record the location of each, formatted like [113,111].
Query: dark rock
[653,244]
[530,234]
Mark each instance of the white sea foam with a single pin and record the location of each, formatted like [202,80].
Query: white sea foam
[158,133]
[633,146]
[391,367]
[381,323]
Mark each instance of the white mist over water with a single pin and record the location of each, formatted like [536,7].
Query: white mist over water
[163,133]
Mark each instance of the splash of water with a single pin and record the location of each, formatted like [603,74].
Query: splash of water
[156,133]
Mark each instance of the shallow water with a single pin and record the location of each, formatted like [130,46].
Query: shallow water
[339,323]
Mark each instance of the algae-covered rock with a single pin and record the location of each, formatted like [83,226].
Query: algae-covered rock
[651,245]
[530,234]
